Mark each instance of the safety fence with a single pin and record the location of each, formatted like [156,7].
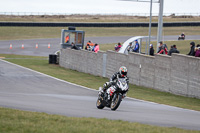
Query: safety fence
[142,24]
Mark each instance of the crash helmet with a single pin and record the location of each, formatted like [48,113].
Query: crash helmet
[123,71]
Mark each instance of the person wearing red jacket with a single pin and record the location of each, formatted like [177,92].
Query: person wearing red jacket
[162,48]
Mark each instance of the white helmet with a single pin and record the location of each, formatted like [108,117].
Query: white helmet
[123,71]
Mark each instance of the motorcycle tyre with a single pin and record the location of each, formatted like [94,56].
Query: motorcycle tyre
[99,104]
[119,99]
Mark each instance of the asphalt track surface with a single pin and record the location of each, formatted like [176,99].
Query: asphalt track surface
[43,50]
[25,89]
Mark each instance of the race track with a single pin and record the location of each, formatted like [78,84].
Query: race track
[24,89]
[43,50]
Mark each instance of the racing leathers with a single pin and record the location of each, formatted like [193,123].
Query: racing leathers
[113,81]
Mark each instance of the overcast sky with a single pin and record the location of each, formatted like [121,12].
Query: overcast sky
[97,6]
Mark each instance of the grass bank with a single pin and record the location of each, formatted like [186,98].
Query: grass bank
[17,33]
[95,81]
[15,121]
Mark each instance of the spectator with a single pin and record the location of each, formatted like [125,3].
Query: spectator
[74,46]
[137,46]
[162,48]
[192,52]
[90,43]
[130,47]
[151,50]
[96,49]
[197,54]
[88,47]
[67,39]
[173,50]
[118,46]
[93,48]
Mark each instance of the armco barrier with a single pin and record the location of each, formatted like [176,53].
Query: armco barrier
[177,74]
[45,24]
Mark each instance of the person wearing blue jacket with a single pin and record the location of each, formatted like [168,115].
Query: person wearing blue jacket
[137,46]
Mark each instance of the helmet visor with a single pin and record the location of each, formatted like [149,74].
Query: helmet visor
[124,73]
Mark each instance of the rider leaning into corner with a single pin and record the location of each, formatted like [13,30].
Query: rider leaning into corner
[122,73]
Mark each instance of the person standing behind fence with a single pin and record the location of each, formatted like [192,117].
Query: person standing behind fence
[162,48]
[88,47]
[90,43]
[117,48]
[197,54]
[96,49]
[74,46]
[173,50]
[151,50]
[137,46]
[130,47]
[192,52]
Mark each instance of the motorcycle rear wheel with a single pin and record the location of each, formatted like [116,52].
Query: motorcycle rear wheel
[99,104]
[116,102]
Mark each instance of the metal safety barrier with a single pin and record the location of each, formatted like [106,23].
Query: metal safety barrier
[141,24]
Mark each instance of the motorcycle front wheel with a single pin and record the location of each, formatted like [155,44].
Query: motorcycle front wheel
[117,98]
[99,104]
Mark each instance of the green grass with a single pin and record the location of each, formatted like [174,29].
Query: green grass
[95,81]
[15,121]
[17,33]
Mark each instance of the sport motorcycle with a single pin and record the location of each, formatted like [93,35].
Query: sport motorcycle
[113,96]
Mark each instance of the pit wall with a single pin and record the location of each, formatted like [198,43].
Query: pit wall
[178,74]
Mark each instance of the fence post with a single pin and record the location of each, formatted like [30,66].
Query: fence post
[104,64]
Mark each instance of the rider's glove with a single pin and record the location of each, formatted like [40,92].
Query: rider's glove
[106,84]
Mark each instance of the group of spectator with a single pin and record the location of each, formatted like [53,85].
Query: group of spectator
[162,49]
[194,51]
[132,47]
[92,47]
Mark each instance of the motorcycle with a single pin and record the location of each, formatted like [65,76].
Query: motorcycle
[181,38]
[113,96]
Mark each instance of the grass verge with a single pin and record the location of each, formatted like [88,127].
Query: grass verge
[15,121]
[17,33]
[96,81]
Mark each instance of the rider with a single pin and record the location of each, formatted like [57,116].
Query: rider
[122,73]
